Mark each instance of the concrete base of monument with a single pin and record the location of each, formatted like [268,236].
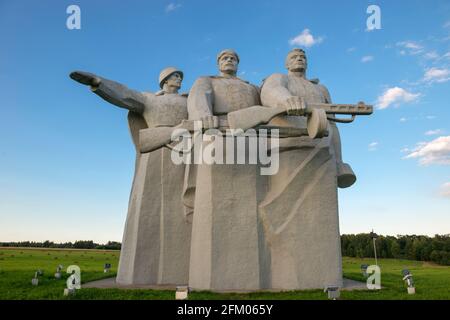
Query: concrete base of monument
[110,283]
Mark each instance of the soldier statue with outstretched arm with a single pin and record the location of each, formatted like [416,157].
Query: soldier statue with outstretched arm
[156,240]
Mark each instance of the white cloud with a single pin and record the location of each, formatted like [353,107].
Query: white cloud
[436,75]
[366,59]
[434,132]
[433,152]
[351,49]
[373,146]
[395,96]
[305,39]
[405,150]
[447,55]
[410,47]
[432,55]
[403,119]
[445,190]
[447,24]
[172,7]
[431,117]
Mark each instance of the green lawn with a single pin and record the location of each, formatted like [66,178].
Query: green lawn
[17,267]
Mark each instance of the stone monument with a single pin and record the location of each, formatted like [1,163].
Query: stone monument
[249,231]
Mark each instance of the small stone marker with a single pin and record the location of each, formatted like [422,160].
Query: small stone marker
[182,293]
[107,267]
[58,271]
[333,292]
[69,292]
[407,277]
[35,280]
[364,270]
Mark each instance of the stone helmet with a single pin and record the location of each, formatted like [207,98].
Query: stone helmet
[166,73]
[231,51]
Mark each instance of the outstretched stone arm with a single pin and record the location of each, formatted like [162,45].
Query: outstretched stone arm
[112,91]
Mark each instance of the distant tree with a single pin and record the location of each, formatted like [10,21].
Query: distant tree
[395,249]
[84,244]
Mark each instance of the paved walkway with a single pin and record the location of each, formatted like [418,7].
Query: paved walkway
[108,283]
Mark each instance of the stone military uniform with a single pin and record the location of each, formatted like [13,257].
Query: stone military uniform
[225,233]
[300,210]
[156,240]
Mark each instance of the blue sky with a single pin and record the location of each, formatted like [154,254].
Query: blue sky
[66,157]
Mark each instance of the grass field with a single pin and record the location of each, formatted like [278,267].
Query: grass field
[17,268]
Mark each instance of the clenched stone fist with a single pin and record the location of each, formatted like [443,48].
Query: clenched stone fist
[295,106]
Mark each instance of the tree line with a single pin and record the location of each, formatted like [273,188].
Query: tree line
[410,247]
[81,244]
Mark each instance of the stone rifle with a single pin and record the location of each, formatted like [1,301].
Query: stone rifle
[151,139]
[318,115]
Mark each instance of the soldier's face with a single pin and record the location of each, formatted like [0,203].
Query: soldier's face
[174,80]
[297,62]
[228,63]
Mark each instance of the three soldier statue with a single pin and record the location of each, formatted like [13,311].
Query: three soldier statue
[220,227]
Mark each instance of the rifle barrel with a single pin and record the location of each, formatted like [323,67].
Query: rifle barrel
[349,109]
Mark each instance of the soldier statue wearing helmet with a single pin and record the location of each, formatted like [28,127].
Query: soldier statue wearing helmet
[151,253]
[170,80]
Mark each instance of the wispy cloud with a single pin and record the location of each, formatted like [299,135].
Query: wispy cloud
[436,75]
[405,150]
[366,59]
[403,119]
[430,117]
[373,146]
[445,190]
[305,39]
[172,7]
[351,49]
[395,96]
[432,152]
[432,55]
[410,48]
[434,132]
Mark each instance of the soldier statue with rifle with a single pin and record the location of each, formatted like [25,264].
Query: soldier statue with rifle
[300,209]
